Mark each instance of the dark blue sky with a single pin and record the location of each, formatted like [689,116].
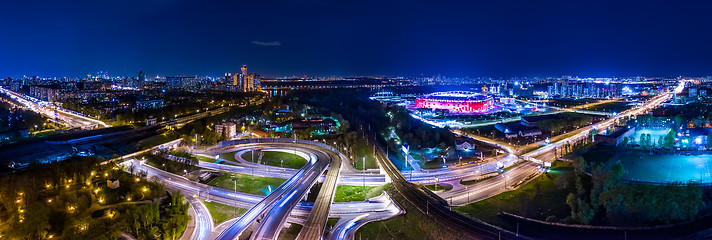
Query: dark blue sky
[470,38]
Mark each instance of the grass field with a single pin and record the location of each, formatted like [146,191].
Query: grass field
[274,158]
[156,140]
[363,150]
[204,158]
[439,187]
[346,193]
[470,182]
[212,160]
[331,222]
[228,156]
[245,183]
[617,106]
[412,225]
[222,212]
[655,134]
[291,232]
[537,199]
[642,166]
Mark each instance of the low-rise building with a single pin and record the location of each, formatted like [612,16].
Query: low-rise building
[227,129]
[464,144]
[325,124]
[152,104]
[616,137]
[151,121]
[516,129]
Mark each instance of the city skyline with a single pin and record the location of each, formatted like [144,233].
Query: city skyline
[603,39]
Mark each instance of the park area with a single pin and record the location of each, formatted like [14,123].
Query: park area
[655,134]
[221,212]
[275,158]
[654,166]
[543,198]
[615,106]
[347,193]
[246,183]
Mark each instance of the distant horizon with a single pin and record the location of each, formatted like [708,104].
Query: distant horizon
[152,75]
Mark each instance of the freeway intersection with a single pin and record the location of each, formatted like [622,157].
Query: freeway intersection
[267,215]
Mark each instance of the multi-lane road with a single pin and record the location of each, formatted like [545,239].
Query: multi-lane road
[275,209]
[54,113]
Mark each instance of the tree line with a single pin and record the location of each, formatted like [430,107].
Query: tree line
[602,198]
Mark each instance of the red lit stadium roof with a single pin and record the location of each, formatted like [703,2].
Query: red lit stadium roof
[455,96]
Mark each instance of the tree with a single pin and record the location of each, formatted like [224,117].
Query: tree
[614,174]
[648,141]
[670,138]
[571,201]
[35,224]
[579,165]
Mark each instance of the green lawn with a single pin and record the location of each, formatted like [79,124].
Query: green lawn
[204,158]
[432,187]
[156,140]
[433,164]
[212,160]
[291,232]
[347,193]
[363,151]
[228,156]
[246,184]
[537,199]
[331,222]
[617,106]
[411,225]
[470,182]
[167,165]
[222,212]
[274,158]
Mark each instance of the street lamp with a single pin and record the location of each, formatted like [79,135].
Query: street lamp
[235,180]
[436,183]
[468,194]
[363,171]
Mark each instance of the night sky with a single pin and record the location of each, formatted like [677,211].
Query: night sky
[334,38]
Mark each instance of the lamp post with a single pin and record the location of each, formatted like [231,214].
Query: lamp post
[363,170]
[406,149]
[234,179]
[468,194]
[436,183]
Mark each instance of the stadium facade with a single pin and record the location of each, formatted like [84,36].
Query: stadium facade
[456,102]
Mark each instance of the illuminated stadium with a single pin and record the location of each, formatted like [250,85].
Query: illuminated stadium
[456,102]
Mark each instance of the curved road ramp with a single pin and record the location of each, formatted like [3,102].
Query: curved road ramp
[269,215]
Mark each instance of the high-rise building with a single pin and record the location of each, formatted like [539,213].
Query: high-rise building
[692,92]
[245,79]
[250,82]
[234,79]
[141,79]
